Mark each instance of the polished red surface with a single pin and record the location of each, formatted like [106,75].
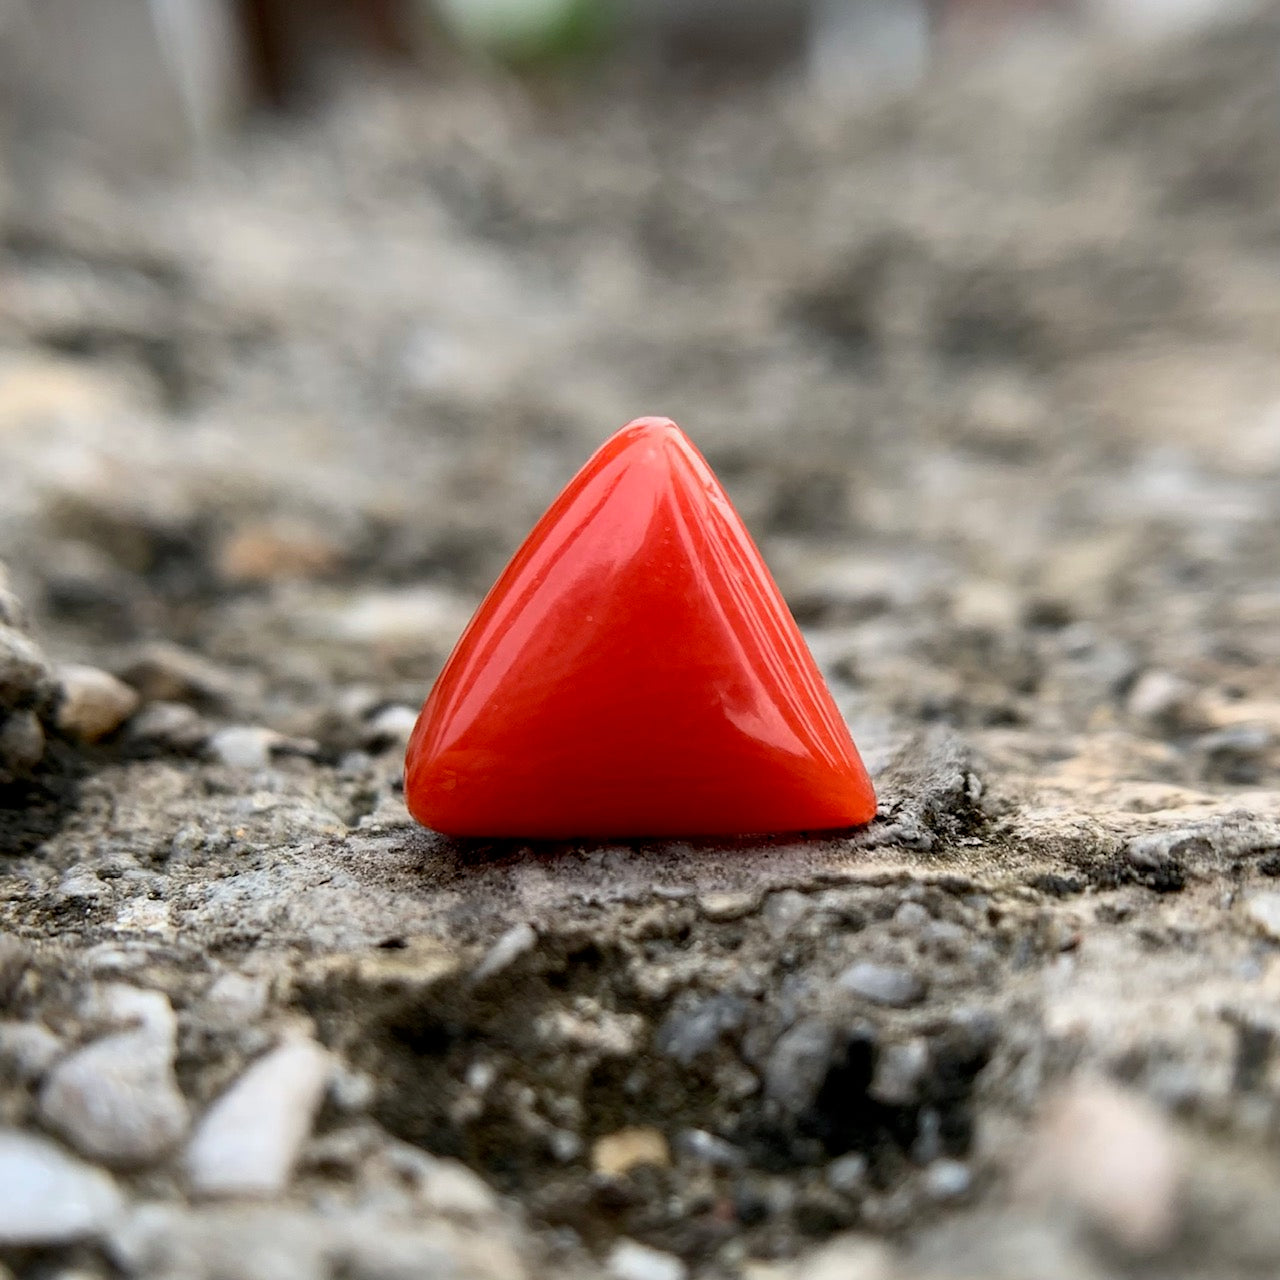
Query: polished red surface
[634,672]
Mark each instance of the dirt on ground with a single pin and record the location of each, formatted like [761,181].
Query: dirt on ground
[991,370]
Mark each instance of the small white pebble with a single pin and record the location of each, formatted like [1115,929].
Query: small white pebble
[446,1187]
[615,1154]
[724,906]
[28,1049]
[1160,699]
[1263,911]
[79,886]
[1109,1153]
[847,1257]
[351,1091]
[516,942]
[116,1099]
[21,740]
[391,724]
[848,1174]
[481,1075]
[911,915]
[144,914]
[47,1197]
[173,724]
[248,1141]
[884,984]
[94,703]
[629,1260]
[565,1145]
[235,1000]
[709,1148]
[947,1180]
[244,746]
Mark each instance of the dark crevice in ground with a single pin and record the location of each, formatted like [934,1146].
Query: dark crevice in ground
[32,811]
[774,1071]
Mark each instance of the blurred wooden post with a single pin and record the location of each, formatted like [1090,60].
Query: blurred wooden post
[287,41]
[146,82]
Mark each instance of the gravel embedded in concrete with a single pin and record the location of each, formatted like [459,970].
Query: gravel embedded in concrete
[48,1197]
[248,1141]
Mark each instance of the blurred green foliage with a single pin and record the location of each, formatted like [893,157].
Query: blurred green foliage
[525,32]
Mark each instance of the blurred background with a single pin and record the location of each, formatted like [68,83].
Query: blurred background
[307,310]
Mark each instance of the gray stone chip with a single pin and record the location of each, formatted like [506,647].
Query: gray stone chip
[885,984]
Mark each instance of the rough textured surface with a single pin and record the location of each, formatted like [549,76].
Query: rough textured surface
[992,375]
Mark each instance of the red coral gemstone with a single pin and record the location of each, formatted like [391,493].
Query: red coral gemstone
[635,672]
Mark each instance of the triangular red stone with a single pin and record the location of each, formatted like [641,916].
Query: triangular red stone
[634,672]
